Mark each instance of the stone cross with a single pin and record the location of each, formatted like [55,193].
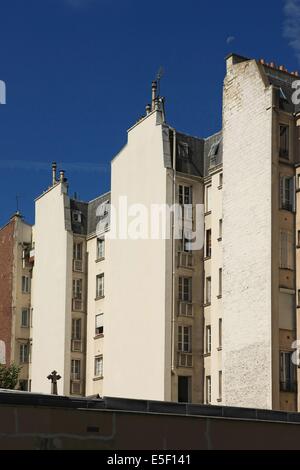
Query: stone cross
[54,377]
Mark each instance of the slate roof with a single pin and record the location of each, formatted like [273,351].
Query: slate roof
[89,220]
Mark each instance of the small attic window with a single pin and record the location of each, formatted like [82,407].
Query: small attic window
[183,150]
[214,149]
[282,95]
[77,217]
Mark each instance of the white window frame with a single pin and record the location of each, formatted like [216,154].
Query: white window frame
[25,284]
[100,248]
[208,339]
[100,286]
[98,366]
[99,320]
[184,339]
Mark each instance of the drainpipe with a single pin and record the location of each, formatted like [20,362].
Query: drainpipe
[173,258]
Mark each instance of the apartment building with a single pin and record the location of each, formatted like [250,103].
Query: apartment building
[149,316]
[15,296]
[67,257]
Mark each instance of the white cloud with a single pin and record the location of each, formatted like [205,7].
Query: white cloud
[230,39]
[291,26]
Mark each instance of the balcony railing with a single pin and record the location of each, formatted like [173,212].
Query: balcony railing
[77,265]
[184,359]
[185,260]
[185,309]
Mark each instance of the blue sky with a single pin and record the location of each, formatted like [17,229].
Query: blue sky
[78,75]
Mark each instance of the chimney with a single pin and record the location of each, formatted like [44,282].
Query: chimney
[154,90]
[62,176]
[54,168]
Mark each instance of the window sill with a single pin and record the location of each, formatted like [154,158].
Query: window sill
[219,348]
[219,400]
[297,246]
[100,298]
[208,354]
[208,258]
[219,239]
[98,260]
[207,304]
[95,379]
[220,187]
[25,326]
[101,335]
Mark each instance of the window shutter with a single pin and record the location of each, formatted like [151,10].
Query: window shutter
[99,321]
[281,191]
[293,193]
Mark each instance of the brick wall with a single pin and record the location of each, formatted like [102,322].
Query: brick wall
[6,278]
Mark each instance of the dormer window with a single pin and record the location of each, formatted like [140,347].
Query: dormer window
[77,217]
[183,150]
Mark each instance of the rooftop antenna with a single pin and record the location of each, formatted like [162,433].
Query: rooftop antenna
[159,76]
[17,203]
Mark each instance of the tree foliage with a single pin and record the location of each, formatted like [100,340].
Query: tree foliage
[9,376]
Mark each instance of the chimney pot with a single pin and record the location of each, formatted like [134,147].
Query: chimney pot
[262,61]
[272,65]
[148,109]
[54,168]
[62,176]
[154,91]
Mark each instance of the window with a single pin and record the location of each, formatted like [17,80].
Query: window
[208,389]
[77,251]
[220,385]
[99,366]
[287,373]
[208,199]
[76,328]
[208,339]
[99,328]
[186,242]
[208,243]
[25,284]
[208,290]
[24,353]
[184,389]
[77,217]
[25,316]
[287,193]
[286,250]
[220,180]
[75,369]
[183,150]
[100,248]
[185,339]
[185,289]
[77,289]
[220,333]
[284,141]
[100,286]
[220,229]
[220,281]
[185,194]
